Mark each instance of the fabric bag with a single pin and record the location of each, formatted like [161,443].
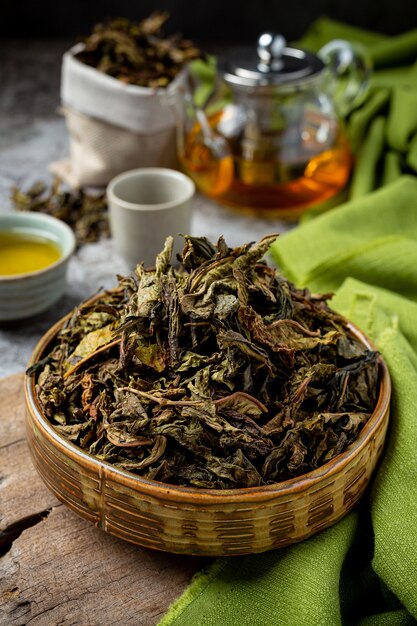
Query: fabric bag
[113,126]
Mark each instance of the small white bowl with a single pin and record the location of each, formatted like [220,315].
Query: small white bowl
[24,295]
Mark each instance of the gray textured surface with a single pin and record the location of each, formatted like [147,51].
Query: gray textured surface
[32,134]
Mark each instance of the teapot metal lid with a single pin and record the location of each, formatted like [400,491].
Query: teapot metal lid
[275,65]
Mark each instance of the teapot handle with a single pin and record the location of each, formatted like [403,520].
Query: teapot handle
[351,67]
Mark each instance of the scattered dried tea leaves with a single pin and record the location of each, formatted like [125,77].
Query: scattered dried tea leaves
[85,212]
[137,52]
[218,374]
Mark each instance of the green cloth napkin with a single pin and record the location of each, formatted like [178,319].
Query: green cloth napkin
[363,570]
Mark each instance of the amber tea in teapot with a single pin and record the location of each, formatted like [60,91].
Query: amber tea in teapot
[279,144]
[254,176]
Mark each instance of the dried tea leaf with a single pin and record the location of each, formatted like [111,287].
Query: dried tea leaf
[151,355]
[242,403]
[91,342]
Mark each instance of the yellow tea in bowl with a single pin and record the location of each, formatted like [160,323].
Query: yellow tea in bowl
[23,251]
[35,250]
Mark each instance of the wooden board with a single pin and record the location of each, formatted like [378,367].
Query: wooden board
[56,568]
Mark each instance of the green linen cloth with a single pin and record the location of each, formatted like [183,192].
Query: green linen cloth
[363,570]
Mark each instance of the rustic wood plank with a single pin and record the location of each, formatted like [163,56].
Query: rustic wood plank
[64,571]
[11,397]
[56,568]
[22,492]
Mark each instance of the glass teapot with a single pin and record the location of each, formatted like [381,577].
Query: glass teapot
[271,138]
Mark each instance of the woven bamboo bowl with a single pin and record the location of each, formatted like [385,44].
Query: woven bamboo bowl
[209,522]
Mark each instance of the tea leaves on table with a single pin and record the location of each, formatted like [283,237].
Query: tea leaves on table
[84,211]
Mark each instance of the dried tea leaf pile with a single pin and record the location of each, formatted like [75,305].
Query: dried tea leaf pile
[85,212]
[219,374]
[137,52]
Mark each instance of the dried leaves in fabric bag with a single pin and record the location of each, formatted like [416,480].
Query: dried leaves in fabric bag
[219,374]
[137,52]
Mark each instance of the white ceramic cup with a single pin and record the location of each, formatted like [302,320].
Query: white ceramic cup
[145,206]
